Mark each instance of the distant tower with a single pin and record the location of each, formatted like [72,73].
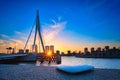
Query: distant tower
[52,49]
[69,52]
[99,49]
[85,50]
[107,48]
[27,51]
[92,50]
[34,48]
[21,51]
[57,52]
[46,49]
[49,48]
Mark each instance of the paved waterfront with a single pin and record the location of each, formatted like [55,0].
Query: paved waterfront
[31,72]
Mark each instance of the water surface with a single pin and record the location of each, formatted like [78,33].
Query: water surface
[96,62]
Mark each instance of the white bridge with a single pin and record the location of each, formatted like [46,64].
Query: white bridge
[34,55]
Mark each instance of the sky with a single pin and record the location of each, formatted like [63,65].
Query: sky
[66,24]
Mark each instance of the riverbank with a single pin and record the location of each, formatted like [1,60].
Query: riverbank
[32,72]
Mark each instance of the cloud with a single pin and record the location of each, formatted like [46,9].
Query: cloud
[12,41]
[50,31]
[53,21]
[17,32]
[53,30]
[10,38]
[2,42]
[4,36]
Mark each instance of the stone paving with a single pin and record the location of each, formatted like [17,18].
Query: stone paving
[32,72]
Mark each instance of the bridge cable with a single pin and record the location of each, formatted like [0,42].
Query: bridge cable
[29,37]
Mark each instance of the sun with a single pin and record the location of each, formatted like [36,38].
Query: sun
[49,53]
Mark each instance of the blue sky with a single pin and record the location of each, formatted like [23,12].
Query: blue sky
[86,22]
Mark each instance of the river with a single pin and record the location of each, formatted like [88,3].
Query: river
[96,62]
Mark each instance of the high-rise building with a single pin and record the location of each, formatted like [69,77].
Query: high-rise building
[21,51]
[57,52]
[46,49]
[92,50]
[85,50]
[51,48]
[27,51]
[114,48]
[34,48]
[99,49]
[107,48]
[69,52]
[99,52]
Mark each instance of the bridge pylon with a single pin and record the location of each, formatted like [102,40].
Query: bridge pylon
[37,31]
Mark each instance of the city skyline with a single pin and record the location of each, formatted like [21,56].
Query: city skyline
[68,25]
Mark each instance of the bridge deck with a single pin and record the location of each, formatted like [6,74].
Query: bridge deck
[10,56]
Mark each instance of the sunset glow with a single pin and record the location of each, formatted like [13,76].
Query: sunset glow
[49,53]
[73,26]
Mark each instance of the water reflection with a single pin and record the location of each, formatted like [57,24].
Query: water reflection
[96,62]
[38,63]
